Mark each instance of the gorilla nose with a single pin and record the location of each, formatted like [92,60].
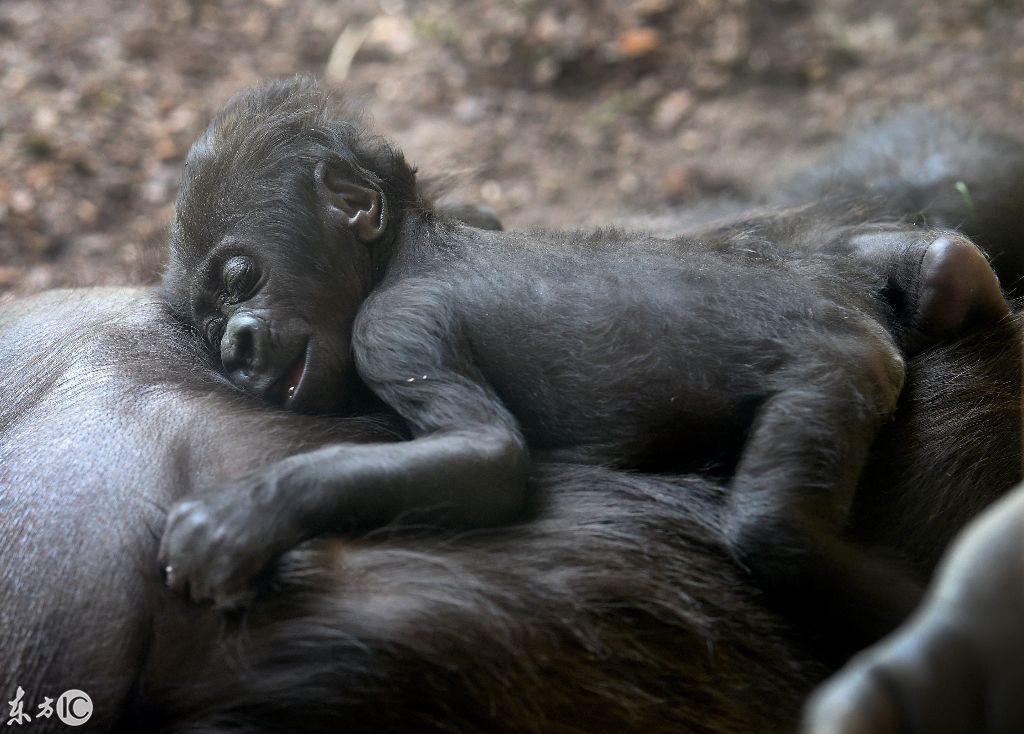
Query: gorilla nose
[244,347]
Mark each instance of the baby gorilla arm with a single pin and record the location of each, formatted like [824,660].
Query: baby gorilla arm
[214,546]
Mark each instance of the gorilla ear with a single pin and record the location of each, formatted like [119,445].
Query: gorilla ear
[349,197]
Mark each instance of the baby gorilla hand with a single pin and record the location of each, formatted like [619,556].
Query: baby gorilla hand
[215,546]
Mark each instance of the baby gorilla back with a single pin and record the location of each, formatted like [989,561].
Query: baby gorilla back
[627,350]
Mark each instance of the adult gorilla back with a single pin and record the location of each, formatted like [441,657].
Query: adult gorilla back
[614,608]
[106,415]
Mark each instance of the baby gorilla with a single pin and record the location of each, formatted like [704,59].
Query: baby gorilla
[769,349]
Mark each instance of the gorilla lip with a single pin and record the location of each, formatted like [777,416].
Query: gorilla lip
[286,388]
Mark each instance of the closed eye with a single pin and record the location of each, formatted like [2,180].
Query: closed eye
[239,277]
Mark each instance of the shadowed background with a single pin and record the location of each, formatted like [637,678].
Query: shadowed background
[553,112]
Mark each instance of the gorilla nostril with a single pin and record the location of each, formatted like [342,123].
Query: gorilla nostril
[244,341]
[243,346]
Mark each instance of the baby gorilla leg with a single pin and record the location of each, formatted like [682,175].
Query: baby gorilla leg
[940,284]
[957,288]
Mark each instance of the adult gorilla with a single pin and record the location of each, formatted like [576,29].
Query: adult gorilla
[616,607]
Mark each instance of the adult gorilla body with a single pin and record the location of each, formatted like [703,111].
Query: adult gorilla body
[615,607]
[616,599]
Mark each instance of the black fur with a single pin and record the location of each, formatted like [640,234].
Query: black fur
[937,168]
[766,350]
[957,666]
[615,607]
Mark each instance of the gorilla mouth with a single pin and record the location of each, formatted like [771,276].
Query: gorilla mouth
[286,389]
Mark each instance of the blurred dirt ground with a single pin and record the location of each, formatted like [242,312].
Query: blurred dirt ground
[560,112]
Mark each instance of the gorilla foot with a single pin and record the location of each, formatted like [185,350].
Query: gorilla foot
[957,289]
